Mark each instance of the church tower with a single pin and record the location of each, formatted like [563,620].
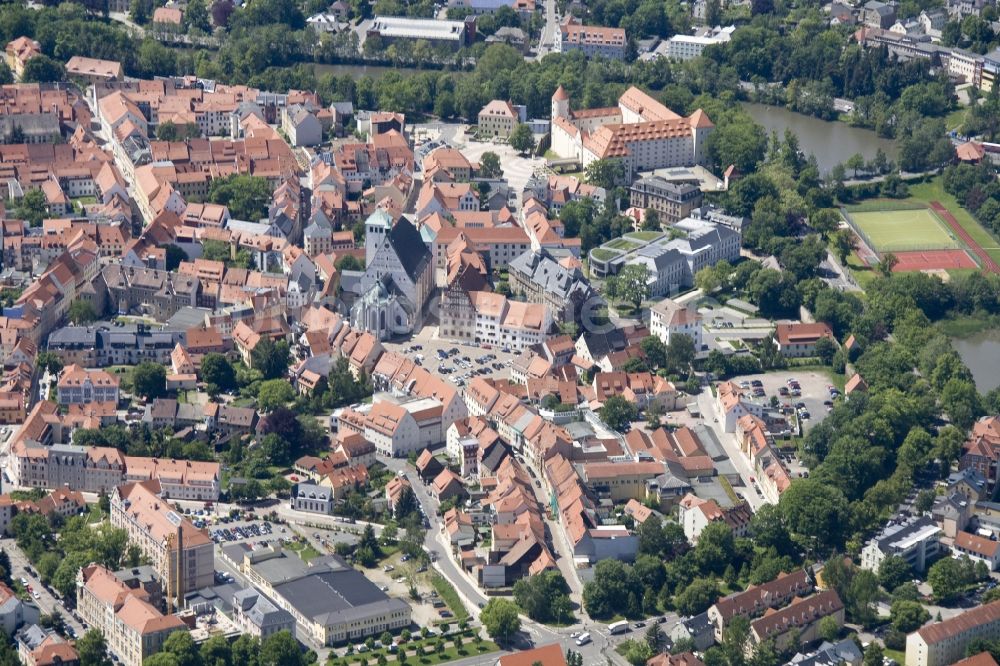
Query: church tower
[560,104]
[377,227]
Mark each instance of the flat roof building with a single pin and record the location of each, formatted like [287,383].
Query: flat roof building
[457,33]
[331,601]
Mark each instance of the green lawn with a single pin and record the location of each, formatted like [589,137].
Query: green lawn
[934,191]
[305,550]
[621,244]
[898,655]
[602,254]
[885,204]
[956,118]
[645,236]
[452,652]
[901,230]
[450,597]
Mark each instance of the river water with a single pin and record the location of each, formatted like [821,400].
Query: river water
[981,353]
[831,142]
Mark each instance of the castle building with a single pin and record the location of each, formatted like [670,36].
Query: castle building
[641,132]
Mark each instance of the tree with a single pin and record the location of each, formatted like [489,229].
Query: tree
[606,173]
[43,69]
[49,361]
[825,221]
[218,371]
[544,597]
[825,349]
[893,572]
[271,358]
[32,207]
[501,620]
[842,243]
[183,648]
[174,257]
[216,651]
[651,220]
[633,284]
[221,11]
[887,263]
[274,393]
[697,597]
[489,165]
[247,197]
[908,616]
[521,139]
[949,577]
[961,402]
[149,380]
[618,413]
[680,353]
[873,655]
[636,652]
[196,16]
[654,637]
[816,514]
[93,649]
[81,312]
[829,628]
[855,163]
[281,649]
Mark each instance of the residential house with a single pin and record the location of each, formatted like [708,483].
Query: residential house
[917,540]
[944,643]
[977,549]
[695,514]
[499,118]
[668,318]
[799,340]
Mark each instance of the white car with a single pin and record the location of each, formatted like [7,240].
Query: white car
[36,595]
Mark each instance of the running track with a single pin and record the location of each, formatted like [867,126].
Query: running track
[987,261]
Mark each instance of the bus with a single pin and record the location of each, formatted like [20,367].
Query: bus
[583,639]
[618,627]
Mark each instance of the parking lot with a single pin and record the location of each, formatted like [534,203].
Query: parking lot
[426,348]
[235,531]
[809,404]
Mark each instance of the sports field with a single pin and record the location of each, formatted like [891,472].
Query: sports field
[903,230]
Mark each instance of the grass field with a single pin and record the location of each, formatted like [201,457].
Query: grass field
[934,191]
[899,230]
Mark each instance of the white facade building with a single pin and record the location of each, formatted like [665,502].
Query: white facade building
[688,47]
[668,318]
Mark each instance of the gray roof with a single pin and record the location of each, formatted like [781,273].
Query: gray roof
[32,636]
[410,248]
[335,596]
[85,336]
[544,271]
[696,624]
[970,476]
[260,610]
[313,491]
[830,654]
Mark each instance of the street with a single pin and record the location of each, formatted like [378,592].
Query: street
[547,39]
[46,602]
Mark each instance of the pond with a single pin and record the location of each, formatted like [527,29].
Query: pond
[981,353]
[831,142]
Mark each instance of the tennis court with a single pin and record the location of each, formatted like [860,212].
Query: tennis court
[923,260]
[903,230]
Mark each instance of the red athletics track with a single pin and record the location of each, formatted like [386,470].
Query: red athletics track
[987,261]
[923,260]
